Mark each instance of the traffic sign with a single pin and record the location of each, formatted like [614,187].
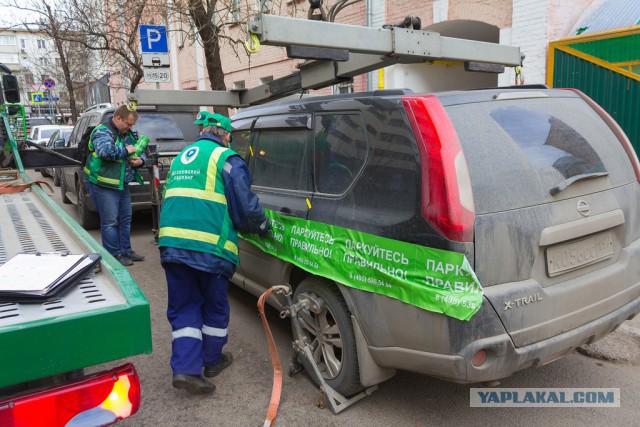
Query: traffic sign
[47,98]
[153,39]
[49,83]
[155,59]
[156,75]
[37,98]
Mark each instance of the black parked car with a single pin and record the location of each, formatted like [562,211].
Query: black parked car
[169,128]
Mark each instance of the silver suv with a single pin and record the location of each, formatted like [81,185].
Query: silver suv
[517,207]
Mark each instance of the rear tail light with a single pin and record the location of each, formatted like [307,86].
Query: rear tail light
[447,198]
[615,128]
[99,399]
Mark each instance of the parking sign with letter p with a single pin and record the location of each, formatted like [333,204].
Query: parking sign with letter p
[153,39]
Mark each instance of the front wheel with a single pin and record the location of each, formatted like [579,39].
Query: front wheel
[330,334]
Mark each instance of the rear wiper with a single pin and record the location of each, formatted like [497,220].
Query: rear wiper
[567,182]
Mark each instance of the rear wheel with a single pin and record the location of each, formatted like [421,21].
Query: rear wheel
[56,177]
[63,192]
[330,333]
[88,220]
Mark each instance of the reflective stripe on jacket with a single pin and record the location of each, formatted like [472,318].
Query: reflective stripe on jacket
[108,173]
[194,211]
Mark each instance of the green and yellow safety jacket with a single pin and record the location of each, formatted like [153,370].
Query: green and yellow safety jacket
[108,173]
[195,215]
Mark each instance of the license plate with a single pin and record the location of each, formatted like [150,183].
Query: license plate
[165,161]
[571,256]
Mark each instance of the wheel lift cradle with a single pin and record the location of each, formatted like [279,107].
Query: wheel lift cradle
[343,52]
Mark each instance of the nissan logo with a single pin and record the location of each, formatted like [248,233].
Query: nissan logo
[584,208]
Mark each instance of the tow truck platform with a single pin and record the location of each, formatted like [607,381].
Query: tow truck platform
[103,318]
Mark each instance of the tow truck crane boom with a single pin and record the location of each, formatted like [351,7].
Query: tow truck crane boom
[365,49]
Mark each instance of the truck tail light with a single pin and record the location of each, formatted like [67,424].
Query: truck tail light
[98,399]
[615,128]
[447,197]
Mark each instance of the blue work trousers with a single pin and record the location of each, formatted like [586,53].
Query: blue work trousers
[198,311]
[114,208]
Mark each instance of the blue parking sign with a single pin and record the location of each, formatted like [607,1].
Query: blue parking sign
[153,39]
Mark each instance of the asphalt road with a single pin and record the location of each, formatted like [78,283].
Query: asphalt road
[243,390]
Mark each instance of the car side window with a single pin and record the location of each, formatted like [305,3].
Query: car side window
[240,142]
[340,151]
[77,131]
[280,159]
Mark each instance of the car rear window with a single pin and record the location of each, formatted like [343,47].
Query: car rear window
[46,133]
[39,121]
[165,127]
[518,149]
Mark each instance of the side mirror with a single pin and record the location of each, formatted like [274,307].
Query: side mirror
[58,143]
[11,89]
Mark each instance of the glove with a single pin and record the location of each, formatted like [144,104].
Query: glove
[265,228]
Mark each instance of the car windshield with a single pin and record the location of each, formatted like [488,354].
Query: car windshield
[167,127]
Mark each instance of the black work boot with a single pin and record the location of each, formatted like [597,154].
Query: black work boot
[194,384]
[133,256]
[225,360]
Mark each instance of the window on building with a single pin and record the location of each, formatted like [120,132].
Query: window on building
[265,80]
[23,43]
[9,58]
[41,44]
[238,85]
[7,40]
[343,88]
[180,35]
[57,61]
[266,5]
[234,11]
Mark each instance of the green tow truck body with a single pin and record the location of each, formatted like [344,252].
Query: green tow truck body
[102,319]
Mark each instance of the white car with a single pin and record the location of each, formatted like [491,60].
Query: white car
[41,134]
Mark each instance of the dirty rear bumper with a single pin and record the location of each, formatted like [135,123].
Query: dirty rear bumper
[503,357]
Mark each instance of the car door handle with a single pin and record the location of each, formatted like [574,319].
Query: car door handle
[286,211]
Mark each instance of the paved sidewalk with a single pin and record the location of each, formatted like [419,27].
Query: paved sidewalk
[621,346]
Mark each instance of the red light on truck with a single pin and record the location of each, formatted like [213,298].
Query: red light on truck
[98,399]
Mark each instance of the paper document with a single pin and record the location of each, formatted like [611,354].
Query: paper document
[37,272]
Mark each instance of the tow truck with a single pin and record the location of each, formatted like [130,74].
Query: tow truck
[49,346]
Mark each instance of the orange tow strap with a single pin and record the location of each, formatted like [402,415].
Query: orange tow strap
[276,390]
[17,186]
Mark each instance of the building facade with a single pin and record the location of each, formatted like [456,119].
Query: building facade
[528,24]
[31,56]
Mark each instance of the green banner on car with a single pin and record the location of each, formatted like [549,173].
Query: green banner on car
[432,279]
